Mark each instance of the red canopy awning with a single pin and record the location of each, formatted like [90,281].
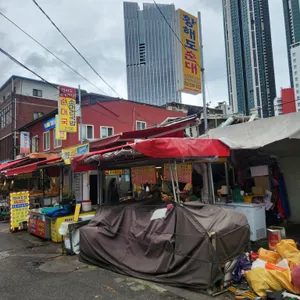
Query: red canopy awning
[182,148]
[12,164]
[174,129]
[173,148]
[32,167]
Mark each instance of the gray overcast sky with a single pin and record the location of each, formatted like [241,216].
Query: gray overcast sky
[96,28]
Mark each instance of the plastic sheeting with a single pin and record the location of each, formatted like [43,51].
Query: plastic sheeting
[185,248]
[257,134]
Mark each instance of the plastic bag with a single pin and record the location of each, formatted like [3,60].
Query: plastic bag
[259,263]
[269,256]
[288,249]
[242,265]
[262,280]
[281,266]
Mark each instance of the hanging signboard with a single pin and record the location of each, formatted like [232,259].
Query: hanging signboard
[59,135]
[143,175]
[67,109]
[24,142]
[19,209]
[69,153]
[115,172]
[49,124]
[188,54]
[184,171]
[77,186]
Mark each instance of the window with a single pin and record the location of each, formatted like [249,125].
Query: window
[5,116]
[57,143]
[46,140]
[37,93]
[294,54]
[297,85]
[87,132]
[106,131]
[140,125]
[37,115]
[294,60]
[35,144]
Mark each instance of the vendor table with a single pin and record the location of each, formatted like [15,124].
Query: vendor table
[256,216]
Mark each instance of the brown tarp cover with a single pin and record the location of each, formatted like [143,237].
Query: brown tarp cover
[177,250]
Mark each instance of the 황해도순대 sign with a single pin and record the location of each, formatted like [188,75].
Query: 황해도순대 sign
[188,54]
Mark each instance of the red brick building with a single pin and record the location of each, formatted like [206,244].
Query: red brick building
[101,119]
[21,101]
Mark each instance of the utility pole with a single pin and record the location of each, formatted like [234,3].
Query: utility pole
[14,99]
[202,71]
[80,115]
[210,173]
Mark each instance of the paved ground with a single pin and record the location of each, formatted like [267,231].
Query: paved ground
[31,269]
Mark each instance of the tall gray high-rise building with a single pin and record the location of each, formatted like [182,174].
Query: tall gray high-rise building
[291,9]
[150,53]
[249,56]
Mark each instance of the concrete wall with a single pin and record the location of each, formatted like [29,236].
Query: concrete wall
[49,92]
[290,167]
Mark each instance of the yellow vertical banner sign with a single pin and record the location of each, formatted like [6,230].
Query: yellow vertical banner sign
[189,68]
[67,109]
[19,209]
[59,135]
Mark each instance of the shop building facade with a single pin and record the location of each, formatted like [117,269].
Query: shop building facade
[98,121]
[21,101]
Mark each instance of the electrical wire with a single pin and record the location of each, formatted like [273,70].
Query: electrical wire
[34,1]
[44,80]
[50,52]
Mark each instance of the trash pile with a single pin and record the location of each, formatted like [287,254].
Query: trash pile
[270,271]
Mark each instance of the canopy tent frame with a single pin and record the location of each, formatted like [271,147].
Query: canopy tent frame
[158,151]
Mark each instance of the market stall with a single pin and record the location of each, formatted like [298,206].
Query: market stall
[50,198]
[162,211]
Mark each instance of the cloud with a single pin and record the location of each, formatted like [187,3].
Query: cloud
[97,30]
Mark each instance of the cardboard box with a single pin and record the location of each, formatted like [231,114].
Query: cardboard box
[264,182]
[258,190]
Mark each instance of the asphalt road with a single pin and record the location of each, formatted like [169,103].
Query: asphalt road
[31,269]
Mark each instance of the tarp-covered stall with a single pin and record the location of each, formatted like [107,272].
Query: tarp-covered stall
[278,137]
[180,245]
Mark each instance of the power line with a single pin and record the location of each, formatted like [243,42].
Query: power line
[22,65]
[178,38]
[28,69]
[63,62]
[75,48]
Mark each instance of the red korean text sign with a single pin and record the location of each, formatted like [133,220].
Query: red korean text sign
[67,109]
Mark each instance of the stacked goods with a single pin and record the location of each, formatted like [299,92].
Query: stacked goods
[276,271]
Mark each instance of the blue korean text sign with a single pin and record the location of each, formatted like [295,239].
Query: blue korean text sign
[49,124]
